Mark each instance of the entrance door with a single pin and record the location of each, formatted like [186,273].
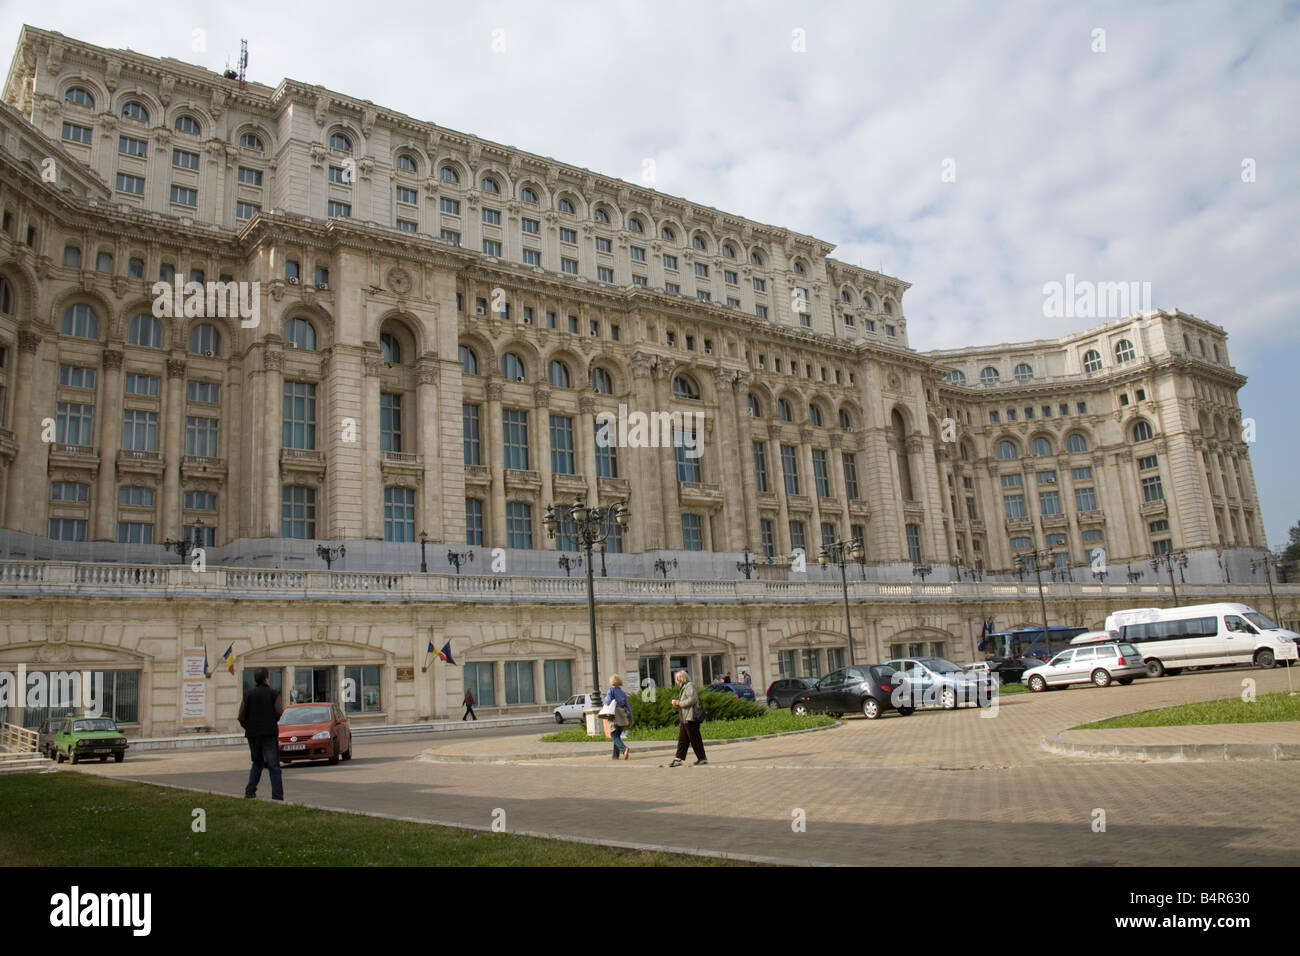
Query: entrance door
[711,665]
[676,664]
[313,685]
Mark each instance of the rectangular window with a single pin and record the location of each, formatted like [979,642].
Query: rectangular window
[297,512]
[760,311]
[558,678]
[338,210]
[692,536]
[1011,481]
[194,500]
[250,177]
[452,207]
[606,451]
[532,257]
[688,468]
[850,475]
[406,225]
[703,296]
[479,682]
[570,266]
[491,248]
[69,491]
[593,327]
[75,376]
[733,302]
[1085,499]
[790,468]
[474,521]
[390,422]
[672,288]
[1049,502]
[993,418]
[514,427]
[525,225]
[760,285]
[821,474]
[1152,490]
[670,262]
[76,134]
[603,244]
[365,684]
[299,416]
[399,514]
[1147,463]
[519,524]
[207,392]
[573,324]
[67,529]
[914,543]
[760,466]
[797,541]
[1015,506]
[604,274]
[130,146]
[1157,527]
[1082,474]
[1082,408]
[184,196]
[130,184]
[561,445]
[970,509]
[730,277]
[491,216]
[246,210]
[785,663]
[139,430]
[134,532]
[1164,546]
[1046,477]
[339,176]
[768,535]
[449,235]
[1011,414]
[470,432]
[201,437]
[702,270]
[637,253]
[411,197]
[569,236]
[828,534]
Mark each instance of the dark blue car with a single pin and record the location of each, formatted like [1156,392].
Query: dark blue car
[743,691]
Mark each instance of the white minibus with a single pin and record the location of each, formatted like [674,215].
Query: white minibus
[1202,635]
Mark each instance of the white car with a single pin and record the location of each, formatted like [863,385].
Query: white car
[573,708]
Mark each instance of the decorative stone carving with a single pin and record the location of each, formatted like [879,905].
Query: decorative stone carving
[112,73]
[175,368]
[272,361]
[54,57]
[28,341]
[371,365]
[427,373]
[112,359]
[399,280]
[365,167]
[914,445]
[475,156]
[494,391]
[218,102]
[108,120]
[805,434]
[641,364]
[322,106]
[586,405]
[541,396]
[318,154]
[368,117]
[773,430]
[837,439]
[165,87]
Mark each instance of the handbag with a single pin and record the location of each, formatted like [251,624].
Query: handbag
[607,711]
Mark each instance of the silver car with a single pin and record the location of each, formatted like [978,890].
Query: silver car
[1101,664]
[575,706]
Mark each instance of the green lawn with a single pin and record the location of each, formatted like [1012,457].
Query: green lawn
[74,819]
[772,722]
[1234,710]
[1016,688]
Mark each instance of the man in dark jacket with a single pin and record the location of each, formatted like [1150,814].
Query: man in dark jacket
[259,715]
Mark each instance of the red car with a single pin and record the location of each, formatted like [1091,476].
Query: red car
[314,732]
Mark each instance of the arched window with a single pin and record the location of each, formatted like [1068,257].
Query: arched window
[846,422]
[80,320]
[390,348]
[1092,361]
[1041,447]
[755,409]
[756,258]
[566,205]
[965,451]
[406,163]
[205,340]
[1007,451]
[187,124]
[635,225]
[729,250]
[1024,372]
[902,458]
[667,234]
[528,194]
[557,373]
[867,303]
[340,141]
[468,361]
[600,215]
[252,141]
[799,269]
[136,111]
[697,242]
[846,296]
[957,377]
[78,96]
[1124,351]
[889,307]
[1142,431]
[301,334]
[449,175]
[1076,443]
[72,256]
[490,186]
[512,367]
[989,375]
[601,381]
[683,387]
[6,297]
[815,415]
[783,410]
[145,331]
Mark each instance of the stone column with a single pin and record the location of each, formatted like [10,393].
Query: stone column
[110,439]
[24,510]
[783,543]
[540,461]
[431,517]
[670,508]
[173,448]
[640,464]
[492,436]
[730,457]
[584,433]
[813,538]
[372,472]
[747,523]
[272,440]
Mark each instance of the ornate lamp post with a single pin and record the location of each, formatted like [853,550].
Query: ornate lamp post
[1134,576]
[568,563]
[923,570]
[186,545]
[457,558]
[1170,561]
[747,566]
[1037,557]
[592,529]
[841,553]
[1268,562]
[330,555]
[663,567]
[424,565]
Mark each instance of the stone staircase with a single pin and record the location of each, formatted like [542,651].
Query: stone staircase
[29,762]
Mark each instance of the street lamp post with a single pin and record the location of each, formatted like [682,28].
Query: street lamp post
[457,558]
[1134,576]
[567,563]
[841,553]
[663,567]
[330,555]
[186,545]
[747,566]
[1268,562]
[1037,557]
[591,525]
[923,570]
[1170,561]
[424,565]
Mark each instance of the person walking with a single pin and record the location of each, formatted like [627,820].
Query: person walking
[622,716]
[469,703]
[259,715]
[689,712]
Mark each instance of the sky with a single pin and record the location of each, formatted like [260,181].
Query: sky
[975,150]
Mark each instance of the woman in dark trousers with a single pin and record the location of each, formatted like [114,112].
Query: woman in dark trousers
[689,711]
[622,716]
[469,705]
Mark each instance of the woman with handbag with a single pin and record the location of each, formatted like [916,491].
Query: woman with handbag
[690,712]
[619,712]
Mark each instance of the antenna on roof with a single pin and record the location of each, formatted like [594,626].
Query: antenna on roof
[243,62]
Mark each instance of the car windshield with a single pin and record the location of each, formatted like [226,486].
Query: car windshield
[1260,621]
[86,726]
[1061,657]
[306,715]
[940,665]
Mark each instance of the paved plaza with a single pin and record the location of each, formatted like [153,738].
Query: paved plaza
[935,788]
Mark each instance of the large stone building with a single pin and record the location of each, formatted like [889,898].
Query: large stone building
[435,323]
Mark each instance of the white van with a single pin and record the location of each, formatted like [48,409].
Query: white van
[1202,635]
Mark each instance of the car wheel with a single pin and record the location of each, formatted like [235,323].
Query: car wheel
[558,718]
[72,756]
[948,698]
[334,751]
[1037,684]
[773,703]
[1124,681]
[1101,677]
[118,758]
[104,759]
[1155,668]
[347,754]
[870,708]
[800,708]
[906,711]
[1264,659]
[58,756]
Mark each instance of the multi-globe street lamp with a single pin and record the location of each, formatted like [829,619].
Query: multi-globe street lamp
[841,553]
[186,545]
[330,555]
[1268,562]
[457,558]
[747,566]
[1171,560]
[1037,557]
[663,567]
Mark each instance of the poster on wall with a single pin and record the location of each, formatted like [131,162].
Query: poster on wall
[193,688]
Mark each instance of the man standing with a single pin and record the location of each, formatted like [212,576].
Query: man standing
[259,715]
[689,712]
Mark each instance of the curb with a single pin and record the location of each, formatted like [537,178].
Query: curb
[656,746]
[1186,752]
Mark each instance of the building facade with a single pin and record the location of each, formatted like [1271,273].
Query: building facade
[380,331]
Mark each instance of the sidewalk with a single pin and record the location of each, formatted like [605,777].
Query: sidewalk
[1274,740]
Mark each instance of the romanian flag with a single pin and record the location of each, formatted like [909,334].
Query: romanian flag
[228,658]
[444,655]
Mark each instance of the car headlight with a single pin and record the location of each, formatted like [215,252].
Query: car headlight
[323,735]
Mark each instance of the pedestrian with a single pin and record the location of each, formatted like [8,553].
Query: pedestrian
[622,716]
[469,703]
[689,711]
[259,715]
[749,682]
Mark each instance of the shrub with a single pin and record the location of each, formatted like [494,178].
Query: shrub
[661,713]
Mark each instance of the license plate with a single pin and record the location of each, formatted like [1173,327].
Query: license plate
[294,747]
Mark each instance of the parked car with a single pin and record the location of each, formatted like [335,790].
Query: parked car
[573,708]
[782,692]
[937,682]
[1101,664]
[1010,671]
[79,738]
[742,691]
[867,689]
[45,736]
[314,732]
